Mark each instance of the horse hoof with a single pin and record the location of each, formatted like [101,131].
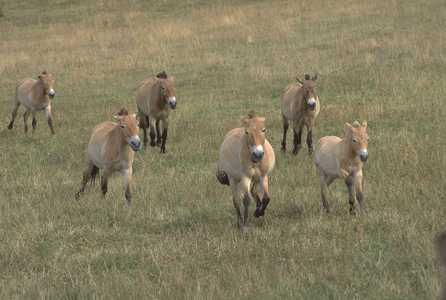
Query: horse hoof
[163,150]
[9,126]
[152,144]
[296,150]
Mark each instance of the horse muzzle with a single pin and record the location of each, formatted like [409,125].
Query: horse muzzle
[51,93]
[135,143]
[311,103]
[363,155]
[257,153]
[172,102]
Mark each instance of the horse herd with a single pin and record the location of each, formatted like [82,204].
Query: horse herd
[246,158]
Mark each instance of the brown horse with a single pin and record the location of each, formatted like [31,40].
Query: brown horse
[34,95]
[343,158]
[154,99]
[111,148]
[246,159]
[300,105]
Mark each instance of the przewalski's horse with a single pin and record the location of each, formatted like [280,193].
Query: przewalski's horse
[343,158]
[246,158]
[111,148]
[155,97]
[300,105]
[34,95]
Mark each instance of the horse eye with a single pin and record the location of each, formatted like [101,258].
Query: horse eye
[122,126]
[264,129]
[355,140]
[246,131]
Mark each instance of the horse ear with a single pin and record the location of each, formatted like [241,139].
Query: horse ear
[117,117]
[314,77]
[364,124]
[40,76]
[356,124]
[298,80]
[245,122]
[347,127]
[307,77]
[44,72]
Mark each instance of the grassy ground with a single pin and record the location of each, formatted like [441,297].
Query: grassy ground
[382,61]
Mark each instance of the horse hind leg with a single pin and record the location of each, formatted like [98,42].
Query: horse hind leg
[152,132]
[143,124]
[14,114]
[89,175]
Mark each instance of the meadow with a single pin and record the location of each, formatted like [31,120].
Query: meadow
[380,61]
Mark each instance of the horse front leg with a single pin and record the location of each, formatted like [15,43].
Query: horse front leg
[325,182]
[286,125]
[152,131]
[350,182]
[49,117]
[34,121]
[359,188]
[245,194]
[158,133]
[127,177]
[143,124]
[297,140]
[310,140]
[165,124]
[104,181]
[262,193]
[25,120]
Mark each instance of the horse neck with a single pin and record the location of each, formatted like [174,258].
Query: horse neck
[37,90]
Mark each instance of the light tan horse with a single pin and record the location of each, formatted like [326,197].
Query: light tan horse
[155,97]
[246,159]
[301,106]
[111,148]
[343,158]
[34,95]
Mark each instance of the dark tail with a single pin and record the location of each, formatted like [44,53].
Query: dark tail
[94,173]
[222,177]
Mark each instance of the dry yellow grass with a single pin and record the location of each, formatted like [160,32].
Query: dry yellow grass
[382,61]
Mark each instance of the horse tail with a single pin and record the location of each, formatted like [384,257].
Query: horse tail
[94,173]
[222,177]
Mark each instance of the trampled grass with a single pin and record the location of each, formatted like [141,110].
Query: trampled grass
[382,61]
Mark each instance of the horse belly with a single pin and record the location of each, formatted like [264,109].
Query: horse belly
[94,153]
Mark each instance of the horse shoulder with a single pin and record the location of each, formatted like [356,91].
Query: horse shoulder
[269,158]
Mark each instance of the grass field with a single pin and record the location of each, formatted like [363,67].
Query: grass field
[380,61]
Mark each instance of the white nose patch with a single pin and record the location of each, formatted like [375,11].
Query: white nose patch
[172,100]
[311,101]
[257,149]
[51,92]
[363,152]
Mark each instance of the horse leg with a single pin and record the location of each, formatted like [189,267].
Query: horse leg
[359,187]
[25,120]
[236,200]
[152,131]
[325,182]
[14,114]
[104,181]
[244,192]
[34,122]
[158,133]
[349,181]
[286,124]
[310,140]
[49,117]
[89,173]
[144,123]
[165,124]
[263,193]
[127,176]
[297,129]
[255,192]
